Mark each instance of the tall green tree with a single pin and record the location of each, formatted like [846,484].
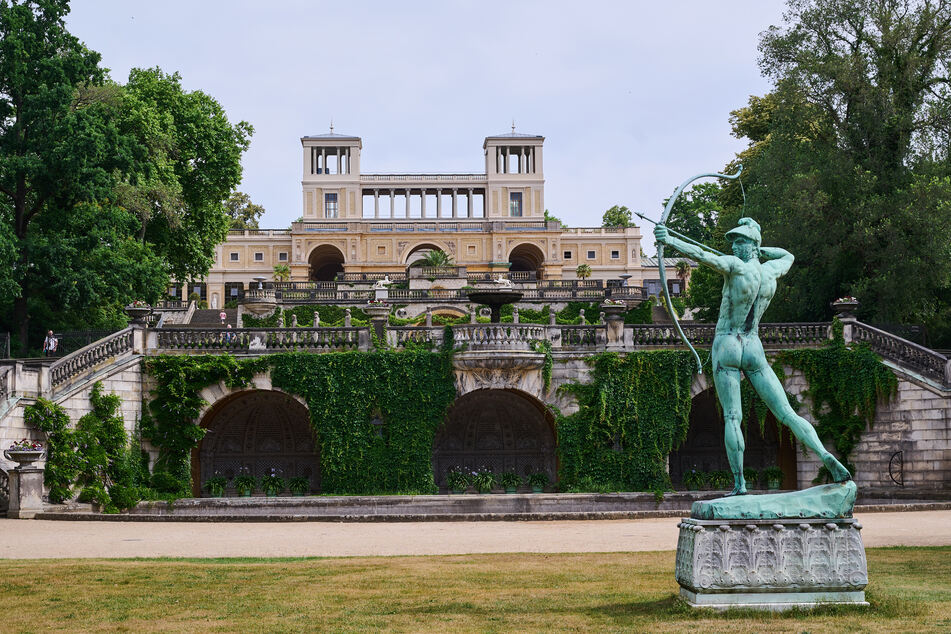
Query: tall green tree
[848,165]
[105,190]
[244,214]
[617,216]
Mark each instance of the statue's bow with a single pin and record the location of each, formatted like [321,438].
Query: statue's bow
[660,255]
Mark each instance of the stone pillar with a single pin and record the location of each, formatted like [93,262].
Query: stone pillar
[469,203]
[422,203]
[438,203]
[376,203]
[454,192]
[323,160]
[407,202]
[392,204]
[26,493]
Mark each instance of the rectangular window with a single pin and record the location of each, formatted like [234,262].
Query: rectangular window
[471,250]
[234,292]
[173,291]
[591,255]
[258,256]
[381,250]
[234,256]
[615,255]
[567,255]
[330,205]
[282,257]
[515,204]
[652,287]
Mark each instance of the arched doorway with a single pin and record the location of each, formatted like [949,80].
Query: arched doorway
[501,430]
[325,262]
[703,450]
[256,432]
[527,257]
[420,251]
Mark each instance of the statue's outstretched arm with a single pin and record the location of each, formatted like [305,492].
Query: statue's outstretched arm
[720,263]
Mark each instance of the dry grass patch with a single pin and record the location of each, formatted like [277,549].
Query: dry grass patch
[910,591]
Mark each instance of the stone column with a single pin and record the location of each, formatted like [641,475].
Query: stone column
[469,202]
[407,202]
[376,203]
[438,203]
[339,161]
[26,493]
[454,192]
[422,203]
[323,160]
[392,204]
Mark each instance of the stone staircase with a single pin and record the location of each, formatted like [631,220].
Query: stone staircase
[211,318]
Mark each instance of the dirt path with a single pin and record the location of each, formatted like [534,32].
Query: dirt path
[48,539]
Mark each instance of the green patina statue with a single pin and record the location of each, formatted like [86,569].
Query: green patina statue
[748,286]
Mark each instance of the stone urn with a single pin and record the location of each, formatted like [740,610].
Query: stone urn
[845,307]
[377,311]
[137,313]
[24,457]
[612,310]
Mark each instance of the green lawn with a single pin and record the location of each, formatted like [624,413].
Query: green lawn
[910,590]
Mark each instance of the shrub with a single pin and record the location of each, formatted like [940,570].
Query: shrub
[166,483]
[299,485]
[510,480]
[245,484]
[720,480]
[216,485]
[695,480]
[272,484]
[538,480]
[751,476]
[483,480]
[458,479]
[124,497]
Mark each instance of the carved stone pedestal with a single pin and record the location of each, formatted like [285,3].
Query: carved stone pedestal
[771,564]
[26,493]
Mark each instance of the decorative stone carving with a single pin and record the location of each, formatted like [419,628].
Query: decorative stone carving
[520,370]
[771,564]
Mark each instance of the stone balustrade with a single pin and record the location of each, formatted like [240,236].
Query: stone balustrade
[91,356]
[919,359]
[497,336]
[334,339]
[405,336]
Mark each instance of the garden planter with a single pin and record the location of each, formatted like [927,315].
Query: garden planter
[138,313]
[774,485]
[511,489]
[24,457]
[538,489]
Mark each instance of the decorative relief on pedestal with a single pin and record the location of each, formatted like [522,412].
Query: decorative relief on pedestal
[787,556]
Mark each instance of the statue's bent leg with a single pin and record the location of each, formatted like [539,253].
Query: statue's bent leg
[727,382]
[771,391]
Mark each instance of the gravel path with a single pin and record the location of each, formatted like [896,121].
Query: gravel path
[30,539]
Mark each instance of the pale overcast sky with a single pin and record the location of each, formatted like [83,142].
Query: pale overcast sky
[632,97]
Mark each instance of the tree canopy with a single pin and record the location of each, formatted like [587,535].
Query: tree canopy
[244,214]
[106,190]
[847,165]
[617,216]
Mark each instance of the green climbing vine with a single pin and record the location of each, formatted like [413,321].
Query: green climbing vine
[96,456]
[632,414]
[845,385]
[544,346]
[170,419]
[406,393]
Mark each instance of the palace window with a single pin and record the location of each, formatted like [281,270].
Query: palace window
[567,255]
[258,256]
[471,250]
[591,255]
[515,204]
[234,256]
[282,256]
[615,255]
[381,250]
[330,205]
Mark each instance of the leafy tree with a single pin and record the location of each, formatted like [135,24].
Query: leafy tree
[617,216]
[696,211]
[104,189]
[583,271]
[848,164]
[550,218]
[244,214]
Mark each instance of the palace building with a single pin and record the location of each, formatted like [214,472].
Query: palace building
[356,227]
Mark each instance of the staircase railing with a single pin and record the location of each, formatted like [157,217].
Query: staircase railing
[87,358]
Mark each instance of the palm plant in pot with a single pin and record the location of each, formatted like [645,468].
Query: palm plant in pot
[272,484]
[299,486]
[538,481]
[483,480]
[457,479]
[510,481]
[216,486]
[244,484]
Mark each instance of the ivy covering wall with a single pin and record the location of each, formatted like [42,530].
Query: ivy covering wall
[633,412]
